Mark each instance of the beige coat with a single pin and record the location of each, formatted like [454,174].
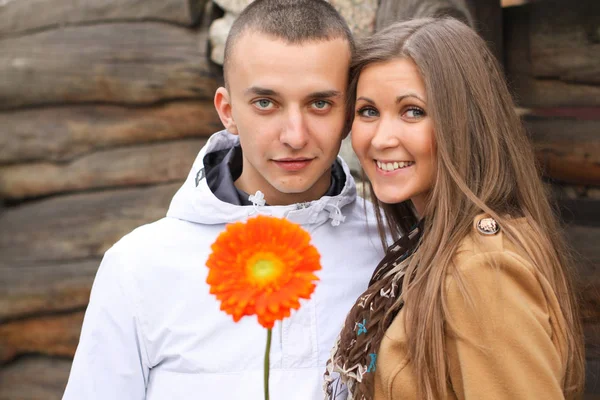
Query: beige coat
[511,346]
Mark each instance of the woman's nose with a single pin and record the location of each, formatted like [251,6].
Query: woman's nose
[386,134]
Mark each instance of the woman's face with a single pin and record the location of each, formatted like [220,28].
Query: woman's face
[392,133]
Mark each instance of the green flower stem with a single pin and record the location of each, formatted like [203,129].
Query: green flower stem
[267,363]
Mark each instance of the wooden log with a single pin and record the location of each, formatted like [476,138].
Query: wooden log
[565,41]
[34,378]
[515,23]
[64,133]
[584,241]
[580,212]
[512,3]
[590,305]
[530,92]
[27,15]
[487,15]
[592,339]
[592,379]
[568,149]
[548,91]
[54,335]
[135,63]
[45,288]
[79,226]
[568,168]
[127,166]
[391,11]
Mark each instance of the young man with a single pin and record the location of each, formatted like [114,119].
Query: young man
[152,330]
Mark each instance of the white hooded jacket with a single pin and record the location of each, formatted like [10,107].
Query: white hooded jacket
[152,330]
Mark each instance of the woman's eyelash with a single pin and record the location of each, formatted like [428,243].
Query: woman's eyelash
[361,110]
[415,108]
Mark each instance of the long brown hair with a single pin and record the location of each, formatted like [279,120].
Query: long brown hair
[484,163]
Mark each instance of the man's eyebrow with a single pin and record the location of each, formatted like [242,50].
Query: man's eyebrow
[326,94]
[404,96]
[256,90]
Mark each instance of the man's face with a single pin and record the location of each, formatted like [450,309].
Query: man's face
[287,104]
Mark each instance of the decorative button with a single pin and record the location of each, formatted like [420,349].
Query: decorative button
[488,226]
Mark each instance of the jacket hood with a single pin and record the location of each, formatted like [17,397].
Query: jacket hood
[195,202]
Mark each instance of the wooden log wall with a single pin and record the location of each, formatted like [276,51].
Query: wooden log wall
[552,60]
[104,105]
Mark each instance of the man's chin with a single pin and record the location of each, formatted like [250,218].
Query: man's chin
[293,190]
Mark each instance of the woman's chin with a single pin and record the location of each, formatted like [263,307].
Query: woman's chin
[389,198]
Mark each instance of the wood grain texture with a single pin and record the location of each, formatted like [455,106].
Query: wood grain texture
[592,379]
[121,63]
[487,15]
[45,288]
[565,41]
[34,378]
[538,63]
[391,11]
[568,149]
[27,15]
[53,335]
[78,226]
[64,133]
[532,92]
[128,166]
[584,241]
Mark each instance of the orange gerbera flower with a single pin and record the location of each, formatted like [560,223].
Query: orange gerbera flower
[263,267]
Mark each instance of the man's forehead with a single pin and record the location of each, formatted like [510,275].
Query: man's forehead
[252,43]
[256,35]
[289,70]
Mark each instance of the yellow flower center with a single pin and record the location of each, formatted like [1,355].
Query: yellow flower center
[264,268]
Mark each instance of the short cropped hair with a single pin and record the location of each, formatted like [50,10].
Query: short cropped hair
[294,21]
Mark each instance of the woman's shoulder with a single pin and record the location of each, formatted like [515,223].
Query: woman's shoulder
[487,240]
[490,272]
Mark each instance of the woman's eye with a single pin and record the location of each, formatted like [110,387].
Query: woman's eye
[368,112]
[264,104]
[321,105]
[414,113]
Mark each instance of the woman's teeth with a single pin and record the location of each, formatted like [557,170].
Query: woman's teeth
[394,166]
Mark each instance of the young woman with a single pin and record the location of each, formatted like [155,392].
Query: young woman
[475,300]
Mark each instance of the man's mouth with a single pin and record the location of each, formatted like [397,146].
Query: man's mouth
[293,164]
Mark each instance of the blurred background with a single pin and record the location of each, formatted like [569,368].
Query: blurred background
[104,105]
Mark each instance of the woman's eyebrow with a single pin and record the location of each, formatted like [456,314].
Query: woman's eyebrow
[404,96]
[368,100]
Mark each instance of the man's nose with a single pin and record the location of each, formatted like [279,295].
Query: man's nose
[295,132]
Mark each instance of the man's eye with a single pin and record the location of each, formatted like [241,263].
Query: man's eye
[367,112]
[321,105]
[414,113]
[264,104]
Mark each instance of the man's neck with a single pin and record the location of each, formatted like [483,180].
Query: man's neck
[274,197]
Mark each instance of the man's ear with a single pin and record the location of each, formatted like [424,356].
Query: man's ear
[223,106]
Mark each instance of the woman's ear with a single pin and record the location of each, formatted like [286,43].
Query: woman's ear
[223,105]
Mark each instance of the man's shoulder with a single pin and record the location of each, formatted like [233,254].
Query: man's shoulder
[162,237]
